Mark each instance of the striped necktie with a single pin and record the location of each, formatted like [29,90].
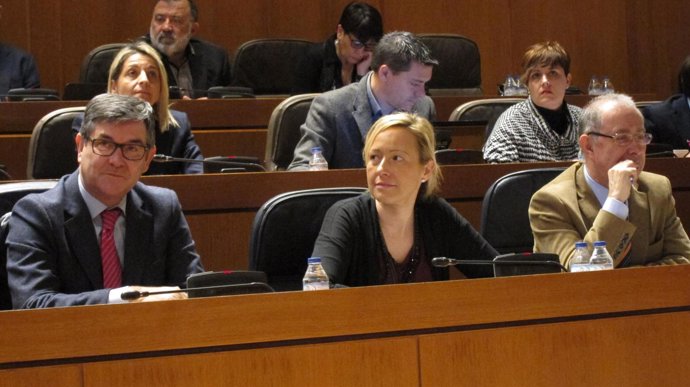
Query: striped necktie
[112,271]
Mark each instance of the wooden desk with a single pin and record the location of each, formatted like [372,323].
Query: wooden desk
[221,126]
[616,327]
[220,208]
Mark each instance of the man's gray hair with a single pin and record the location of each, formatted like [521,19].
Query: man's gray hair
[116,108]
[590,121]
[398,50]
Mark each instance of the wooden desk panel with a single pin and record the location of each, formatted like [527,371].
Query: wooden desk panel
[221,208]
[352,363]
[631,351]
[17,120]
[472,332]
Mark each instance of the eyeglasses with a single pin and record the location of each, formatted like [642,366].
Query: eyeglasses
[357,44]
[132,152]
[625,139]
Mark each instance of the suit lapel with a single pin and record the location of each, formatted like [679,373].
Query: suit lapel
[587,201]
[639,215]
[80,233]
[139,249]
[361,108]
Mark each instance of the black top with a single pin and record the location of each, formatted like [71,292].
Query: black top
[558,120]
[319,70]
[349,244]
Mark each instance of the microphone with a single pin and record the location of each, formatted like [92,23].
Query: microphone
[217,163]
[668,153]
[511,259]
[251,287]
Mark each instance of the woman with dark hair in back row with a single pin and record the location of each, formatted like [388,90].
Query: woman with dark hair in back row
[345,56]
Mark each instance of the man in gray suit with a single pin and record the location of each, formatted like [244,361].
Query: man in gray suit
[609,197]
[339,120]
[99,230]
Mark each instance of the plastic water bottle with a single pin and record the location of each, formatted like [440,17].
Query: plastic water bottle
[594,87]
[509,86]
[601,259]
[317,162]
[520,88]
[580,261]
[315,278]
[607,86]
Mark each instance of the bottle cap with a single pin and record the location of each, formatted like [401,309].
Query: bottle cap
[314,260]
[316,149]
[580,244]
[599,243]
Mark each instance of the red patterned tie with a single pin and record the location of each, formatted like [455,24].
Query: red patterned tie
[112,273]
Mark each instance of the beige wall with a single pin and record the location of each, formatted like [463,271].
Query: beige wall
[638,43]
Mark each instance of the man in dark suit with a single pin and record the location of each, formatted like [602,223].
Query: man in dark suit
[339,120]
[669,121]
[99,229]
[193,65]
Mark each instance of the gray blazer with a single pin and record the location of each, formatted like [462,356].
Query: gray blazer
[53,255]
[338,122]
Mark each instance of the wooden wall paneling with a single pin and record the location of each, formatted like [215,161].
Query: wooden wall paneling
[231,23]
[382,362]
[88,24]
[592,32]
[670,44]
[611,38]
[14,24]
[604,352]
[486,22]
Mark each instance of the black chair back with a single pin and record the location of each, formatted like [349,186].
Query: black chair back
[52,152]
[285,229]
[483,110]
[267,66]
[459,65]
[96,64]
[284,130]
[505,220]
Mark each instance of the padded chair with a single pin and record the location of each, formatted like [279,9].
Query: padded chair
[267,65]
[283,130]
[95,65]
[505,220]
[459,68]
[285,229]
[459,156]
[485,110]
[10,193]
[52,152]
